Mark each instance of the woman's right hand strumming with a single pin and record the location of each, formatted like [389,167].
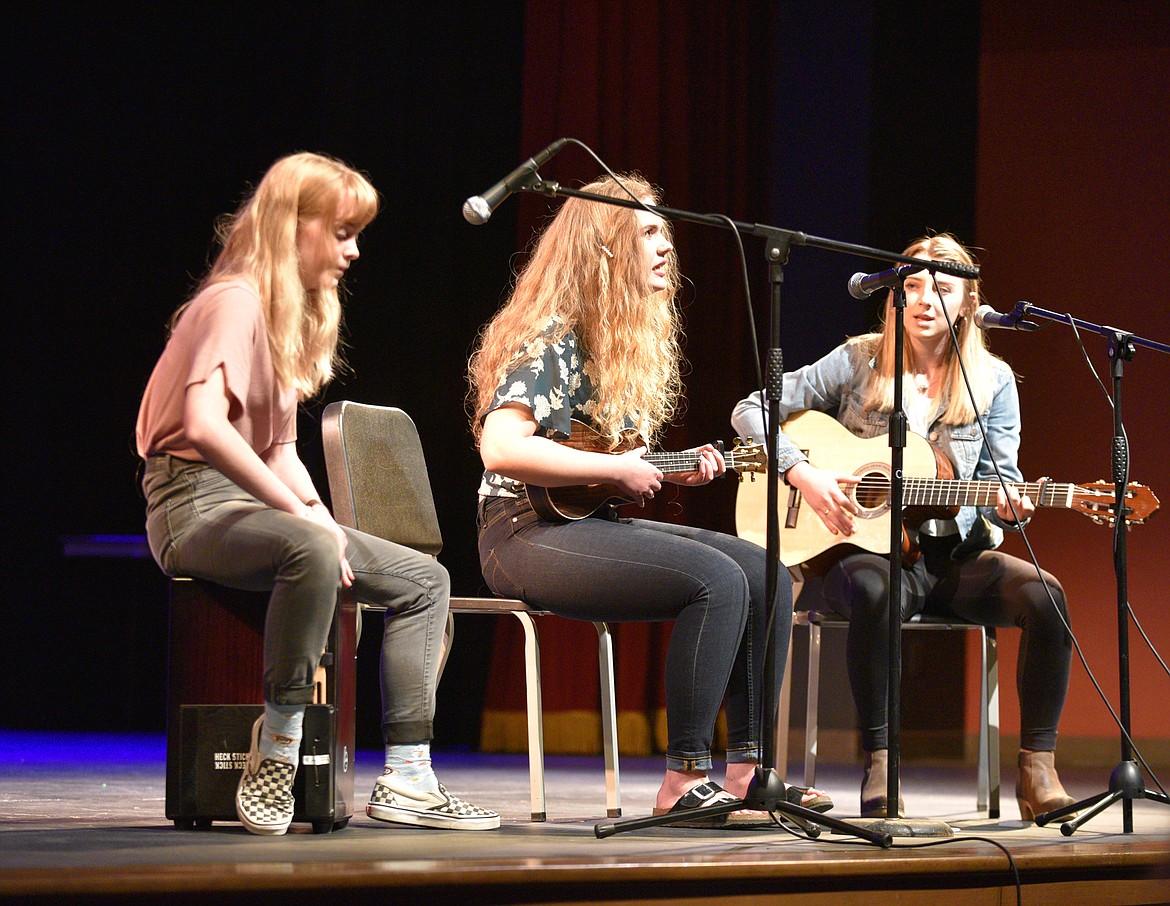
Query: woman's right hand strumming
[637,478]
[822,491]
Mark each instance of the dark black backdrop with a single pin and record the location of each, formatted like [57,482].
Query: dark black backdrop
[127,131]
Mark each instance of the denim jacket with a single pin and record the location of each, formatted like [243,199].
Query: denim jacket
[836,384]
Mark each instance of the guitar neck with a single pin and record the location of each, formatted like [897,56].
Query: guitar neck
[948,492]
[808,543]
[686,461]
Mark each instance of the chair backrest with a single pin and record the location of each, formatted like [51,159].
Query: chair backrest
[378,476]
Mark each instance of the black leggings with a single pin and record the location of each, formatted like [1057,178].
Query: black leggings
[988,588]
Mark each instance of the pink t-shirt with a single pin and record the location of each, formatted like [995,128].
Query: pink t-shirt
[223,326]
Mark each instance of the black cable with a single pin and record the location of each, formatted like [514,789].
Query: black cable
[1028,543]
[747,290]
[1119,525]
[604,166]
[949,841]
[755,357]
[1142,632]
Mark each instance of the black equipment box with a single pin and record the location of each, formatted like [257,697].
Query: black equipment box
[214,690]
[213,746]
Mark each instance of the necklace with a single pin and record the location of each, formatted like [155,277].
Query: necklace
[922,382]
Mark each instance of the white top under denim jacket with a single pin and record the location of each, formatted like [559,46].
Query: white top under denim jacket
[836,384]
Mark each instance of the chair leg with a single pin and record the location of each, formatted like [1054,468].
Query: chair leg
[448,642]
[535,717]
[784,714]
[810,714]
[988,797]
[991,693]
[613,794]
[983,778]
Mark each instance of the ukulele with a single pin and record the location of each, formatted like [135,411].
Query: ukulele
[573,502]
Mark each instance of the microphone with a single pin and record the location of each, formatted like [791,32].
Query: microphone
[987,317]
[861,286]
[478,208]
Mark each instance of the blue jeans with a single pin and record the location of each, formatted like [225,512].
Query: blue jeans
[200,524]
[608,569]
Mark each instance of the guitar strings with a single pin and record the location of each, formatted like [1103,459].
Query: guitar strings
[688,461]
[921,491]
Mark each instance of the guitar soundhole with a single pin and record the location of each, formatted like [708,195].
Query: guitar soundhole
[872,493]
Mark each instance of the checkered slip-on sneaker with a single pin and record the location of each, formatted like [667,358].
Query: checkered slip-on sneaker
[397,803]
[264,798]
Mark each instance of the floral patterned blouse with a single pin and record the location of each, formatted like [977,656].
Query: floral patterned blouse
[549,378]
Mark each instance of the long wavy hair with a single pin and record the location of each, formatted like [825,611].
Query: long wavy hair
[972,344]
[587,271]
[259,244]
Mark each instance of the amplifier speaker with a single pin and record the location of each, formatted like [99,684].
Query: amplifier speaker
[214,683]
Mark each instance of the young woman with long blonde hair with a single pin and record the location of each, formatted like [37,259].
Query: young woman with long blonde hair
[590,332]
[229,500]
[959,573]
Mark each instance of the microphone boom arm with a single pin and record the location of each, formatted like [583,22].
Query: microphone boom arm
[552,189]
[1026,309]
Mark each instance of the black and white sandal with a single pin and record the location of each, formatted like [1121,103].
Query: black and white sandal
[707,793]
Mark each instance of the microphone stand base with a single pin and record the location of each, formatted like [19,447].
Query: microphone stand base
[904,827]
[766,792]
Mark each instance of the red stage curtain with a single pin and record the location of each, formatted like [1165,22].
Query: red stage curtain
[675,90]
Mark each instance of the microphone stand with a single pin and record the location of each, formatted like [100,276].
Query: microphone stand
[766,791]
[1125,783]
[894,824]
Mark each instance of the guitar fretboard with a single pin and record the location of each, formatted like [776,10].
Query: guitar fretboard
[687,461]
[948,492]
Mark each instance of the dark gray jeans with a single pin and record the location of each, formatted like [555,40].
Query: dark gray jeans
[200,524]
[711,584]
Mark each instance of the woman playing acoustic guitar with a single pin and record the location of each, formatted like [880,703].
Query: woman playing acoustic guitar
[959,572]
[590,333]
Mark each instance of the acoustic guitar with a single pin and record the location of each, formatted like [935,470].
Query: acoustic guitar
[929,491]
[573,502]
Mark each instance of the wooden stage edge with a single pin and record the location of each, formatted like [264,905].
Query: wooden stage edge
[1120,873]
[82,821]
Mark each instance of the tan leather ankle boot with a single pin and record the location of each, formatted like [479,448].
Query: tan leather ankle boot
[874,800]
[1038,788]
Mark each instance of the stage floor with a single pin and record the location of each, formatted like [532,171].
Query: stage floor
[82,816]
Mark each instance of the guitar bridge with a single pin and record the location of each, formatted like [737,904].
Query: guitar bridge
[794,498]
